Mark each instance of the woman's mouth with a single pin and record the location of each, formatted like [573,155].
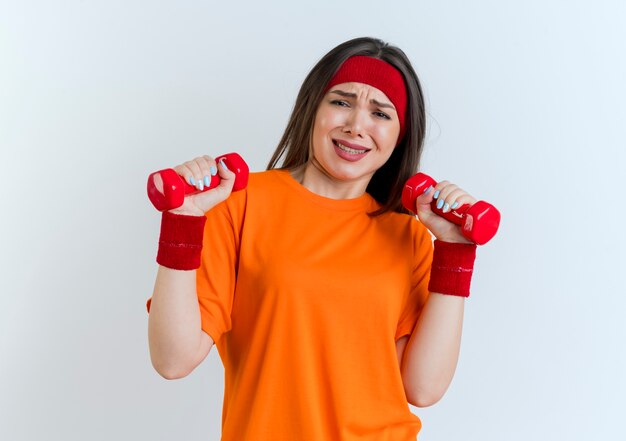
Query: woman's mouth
[349,152]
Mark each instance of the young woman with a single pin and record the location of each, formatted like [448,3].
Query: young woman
[318,289]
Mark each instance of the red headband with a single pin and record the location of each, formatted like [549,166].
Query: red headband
[376,73]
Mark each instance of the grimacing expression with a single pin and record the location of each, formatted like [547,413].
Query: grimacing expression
[355,131]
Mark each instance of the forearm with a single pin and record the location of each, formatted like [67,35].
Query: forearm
[432,352]
[174,326]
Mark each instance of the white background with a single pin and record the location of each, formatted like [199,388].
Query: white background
[526,104]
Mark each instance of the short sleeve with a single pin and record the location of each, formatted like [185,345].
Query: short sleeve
[217,276]
[418,295]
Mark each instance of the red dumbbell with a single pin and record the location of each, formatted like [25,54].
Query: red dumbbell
[479,222]
[175,188]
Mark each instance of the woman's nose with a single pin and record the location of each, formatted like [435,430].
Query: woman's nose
[355,123]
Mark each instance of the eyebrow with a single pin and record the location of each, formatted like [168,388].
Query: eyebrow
[353,95]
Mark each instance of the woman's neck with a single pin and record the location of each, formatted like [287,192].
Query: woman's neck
[317,180]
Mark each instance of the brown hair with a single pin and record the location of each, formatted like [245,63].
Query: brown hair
[387,183]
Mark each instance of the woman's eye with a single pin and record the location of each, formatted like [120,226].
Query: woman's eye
[382,115]
[339,103]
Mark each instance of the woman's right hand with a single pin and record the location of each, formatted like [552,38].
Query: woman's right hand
[198,172]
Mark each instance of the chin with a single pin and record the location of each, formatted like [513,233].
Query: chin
[349,173]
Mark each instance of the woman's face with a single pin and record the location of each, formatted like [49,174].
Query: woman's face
[356,129]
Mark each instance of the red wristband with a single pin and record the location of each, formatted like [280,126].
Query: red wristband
[180,244]
[452,267]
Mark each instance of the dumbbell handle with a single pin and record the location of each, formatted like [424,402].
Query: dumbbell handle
[175,188]
[479,222]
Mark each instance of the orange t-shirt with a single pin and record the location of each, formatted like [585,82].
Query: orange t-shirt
[305,297]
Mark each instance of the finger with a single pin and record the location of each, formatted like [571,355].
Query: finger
[224,170]
[225,184]
[196,173]
[426,197]
[441,193]
[186,172]
[210,161]
[466,199]
[205,165]
[228,177]
[449,200]
[461,200]
[201,172]
[438,187]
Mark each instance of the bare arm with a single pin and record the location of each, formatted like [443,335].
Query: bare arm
[432,352]
[176,339]
[177,342]
[430,355]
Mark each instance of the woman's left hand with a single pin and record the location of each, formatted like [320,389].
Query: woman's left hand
[447,195]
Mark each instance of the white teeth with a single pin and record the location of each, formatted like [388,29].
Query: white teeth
[349,150]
